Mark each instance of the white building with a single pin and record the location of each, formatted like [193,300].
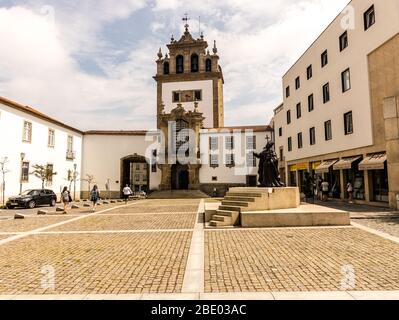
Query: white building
[189,109]
[30,138]
[332,120]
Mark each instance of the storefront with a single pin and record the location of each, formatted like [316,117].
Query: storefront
[352,174]
[326,171]
[292,176]
[297,175]
[376,167]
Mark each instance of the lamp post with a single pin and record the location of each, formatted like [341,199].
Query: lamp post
[22,171]
[75,174]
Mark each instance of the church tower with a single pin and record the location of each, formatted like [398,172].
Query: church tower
[190,74]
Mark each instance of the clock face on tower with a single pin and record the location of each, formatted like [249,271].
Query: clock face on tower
[189,75]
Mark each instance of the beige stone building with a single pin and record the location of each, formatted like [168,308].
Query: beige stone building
[340,115]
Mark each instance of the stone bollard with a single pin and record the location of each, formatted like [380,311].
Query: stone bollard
[42,212]
[74,206]
[19,216]
[105,202]
[59,209]
[86,205]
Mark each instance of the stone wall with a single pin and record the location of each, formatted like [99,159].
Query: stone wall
[384,87]
[221,188]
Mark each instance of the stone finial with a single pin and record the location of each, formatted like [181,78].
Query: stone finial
[166,56]
[160,55]
[202,36]
[172,39]
[215,49]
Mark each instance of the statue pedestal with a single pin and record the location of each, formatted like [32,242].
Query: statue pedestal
[269,198]
[270,207]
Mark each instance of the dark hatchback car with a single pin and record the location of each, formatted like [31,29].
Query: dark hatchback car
[32,198]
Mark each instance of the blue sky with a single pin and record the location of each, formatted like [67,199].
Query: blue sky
[90,63]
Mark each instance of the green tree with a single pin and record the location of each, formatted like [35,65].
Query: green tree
[3,170]
[44,172]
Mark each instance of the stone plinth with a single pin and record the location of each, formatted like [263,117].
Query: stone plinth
[270,198]
[270,207]
[303,216]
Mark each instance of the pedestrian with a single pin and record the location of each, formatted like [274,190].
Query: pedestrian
[94,197]
[325,189]
[127,192]
[349,189]
[66,199]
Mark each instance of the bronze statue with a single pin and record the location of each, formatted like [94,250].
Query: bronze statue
[269,175]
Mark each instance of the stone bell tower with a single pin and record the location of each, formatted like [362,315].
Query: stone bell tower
[190,73]
[189,98]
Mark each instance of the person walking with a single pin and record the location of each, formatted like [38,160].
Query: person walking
[325,189]
[349,189]
[127,192]
[94,197]
[66,199]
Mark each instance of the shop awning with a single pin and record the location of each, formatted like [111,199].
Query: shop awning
[325,166]
[345,163]
[374,162]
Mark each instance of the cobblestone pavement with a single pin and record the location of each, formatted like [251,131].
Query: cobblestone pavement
[387,225]
[320,259]
[113,262]
[163,208]
[96,264]
[145,247]
[30,223]
[131,222]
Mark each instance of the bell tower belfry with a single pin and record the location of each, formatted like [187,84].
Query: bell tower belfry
[190,74]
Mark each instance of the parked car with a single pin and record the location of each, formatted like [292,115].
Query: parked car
[32,198]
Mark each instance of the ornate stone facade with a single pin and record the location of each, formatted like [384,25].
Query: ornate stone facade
[194,122]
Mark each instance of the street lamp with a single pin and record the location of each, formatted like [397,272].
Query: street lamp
[75,166]
[22,171]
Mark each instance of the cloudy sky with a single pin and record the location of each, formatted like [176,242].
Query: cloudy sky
[90,63]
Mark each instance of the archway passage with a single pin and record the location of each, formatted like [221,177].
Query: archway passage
[180,177]
[135,173]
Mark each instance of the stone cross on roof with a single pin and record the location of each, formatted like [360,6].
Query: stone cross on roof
[186,19]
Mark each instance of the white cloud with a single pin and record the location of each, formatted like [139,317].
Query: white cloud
[38,70]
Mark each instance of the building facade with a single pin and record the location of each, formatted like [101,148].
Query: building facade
[337,120]
[30,139]
[190,149]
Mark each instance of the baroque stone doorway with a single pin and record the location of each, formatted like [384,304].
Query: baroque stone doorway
[135,173]
[180,177]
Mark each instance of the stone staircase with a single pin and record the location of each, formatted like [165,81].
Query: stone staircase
[228,214]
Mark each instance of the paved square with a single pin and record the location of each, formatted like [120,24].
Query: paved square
[160,206]
[95,263]
[158,247]
[30,223]
[131,222]
[319,259]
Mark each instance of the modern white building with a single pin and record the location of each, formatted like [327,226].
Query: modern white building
[30,138]
[332,119]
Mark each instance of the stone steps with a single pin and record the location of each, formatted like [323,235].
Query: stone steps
[240,199]
[230,208]
[235,203]
[224,218]
[229,212]
[239,194]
